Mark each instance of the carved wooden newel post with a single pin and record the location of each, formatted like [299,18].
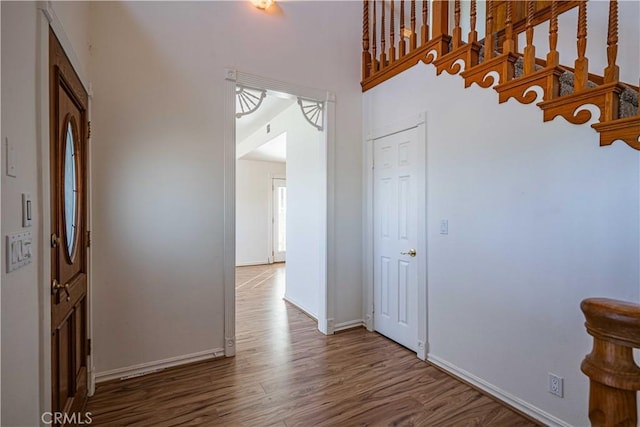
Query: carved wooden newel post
[615,378]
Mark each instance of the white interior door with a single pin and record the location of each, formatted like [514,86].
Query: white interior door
[398,248]
[279,220]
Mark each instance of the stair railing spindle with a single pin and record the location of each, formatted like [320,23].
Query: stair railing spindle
[457,31]
[374,63]
[402,47]
[553,57]
[530,49]
[413,39]
[509,44]
[473,34]
[424,29]
[366,55]
[582,63]
[488,38]
[392,33]
[612,72]
[383,46]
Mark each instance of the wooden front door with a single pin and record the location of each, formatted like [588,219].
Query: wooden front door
[69,239]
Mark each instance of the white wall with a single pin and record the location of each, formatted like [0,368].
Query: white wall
[21,313]
[74,17]
[540,217]
[304,184]
[253,195]
[20,318]
[158,79]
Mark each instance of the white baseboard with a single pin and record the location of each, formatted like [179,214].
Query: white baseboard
[158,365]
[250,263]
[348,325]
[300,307]
[511,400]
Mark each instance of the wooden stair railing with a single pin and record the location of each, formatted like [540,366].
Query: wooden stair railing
[542,13]
[613,374]
[462,52]
[548,78]
[486,64]
[503,64]
[605,96]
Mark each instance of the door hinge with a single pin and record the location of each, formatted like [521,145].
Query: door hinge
[89,129]
[89,347]
[88,238]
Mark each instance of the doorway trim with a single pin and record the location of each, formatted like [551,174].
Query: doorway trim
[48,19]
[418,121]
[327,265]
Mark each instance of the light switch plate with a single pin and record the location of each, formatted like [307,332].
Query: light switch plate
[19,250]
[27,210]
[11,157]
[444,226]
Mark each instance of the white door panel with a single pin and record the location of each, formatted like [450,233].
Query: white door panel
[398,179]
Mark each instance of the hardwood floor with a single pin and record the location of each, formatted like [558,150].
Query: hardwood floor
[286,373]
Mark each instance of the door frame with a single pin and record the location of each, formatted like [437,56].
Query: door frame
[48,19]
[326,292]
[271,216]
[419,122]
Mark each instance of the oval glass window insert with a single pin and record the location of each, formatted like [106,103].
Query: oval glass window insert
[70,190]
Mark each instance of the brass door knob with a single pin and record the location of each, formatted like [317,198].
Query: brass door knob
[411,252]
[55,287]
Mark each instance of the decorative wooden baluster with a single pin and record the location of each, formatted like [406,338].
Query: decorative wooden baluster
[509,44]
[457,31]
[413,38]
[402,47]
[383,47]
[582,63]
[473,34]
[612,72]
[614,376]
[424,29]
[366,55]
[530,49]
[374,64]
[488,38]
[553,57]
[392,33]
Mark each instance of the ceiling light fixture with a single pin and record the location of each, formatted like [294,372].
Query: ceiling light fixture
[262,4]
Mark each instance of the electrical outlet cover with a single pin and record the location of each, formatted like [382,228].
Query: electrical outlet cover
[556,385]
